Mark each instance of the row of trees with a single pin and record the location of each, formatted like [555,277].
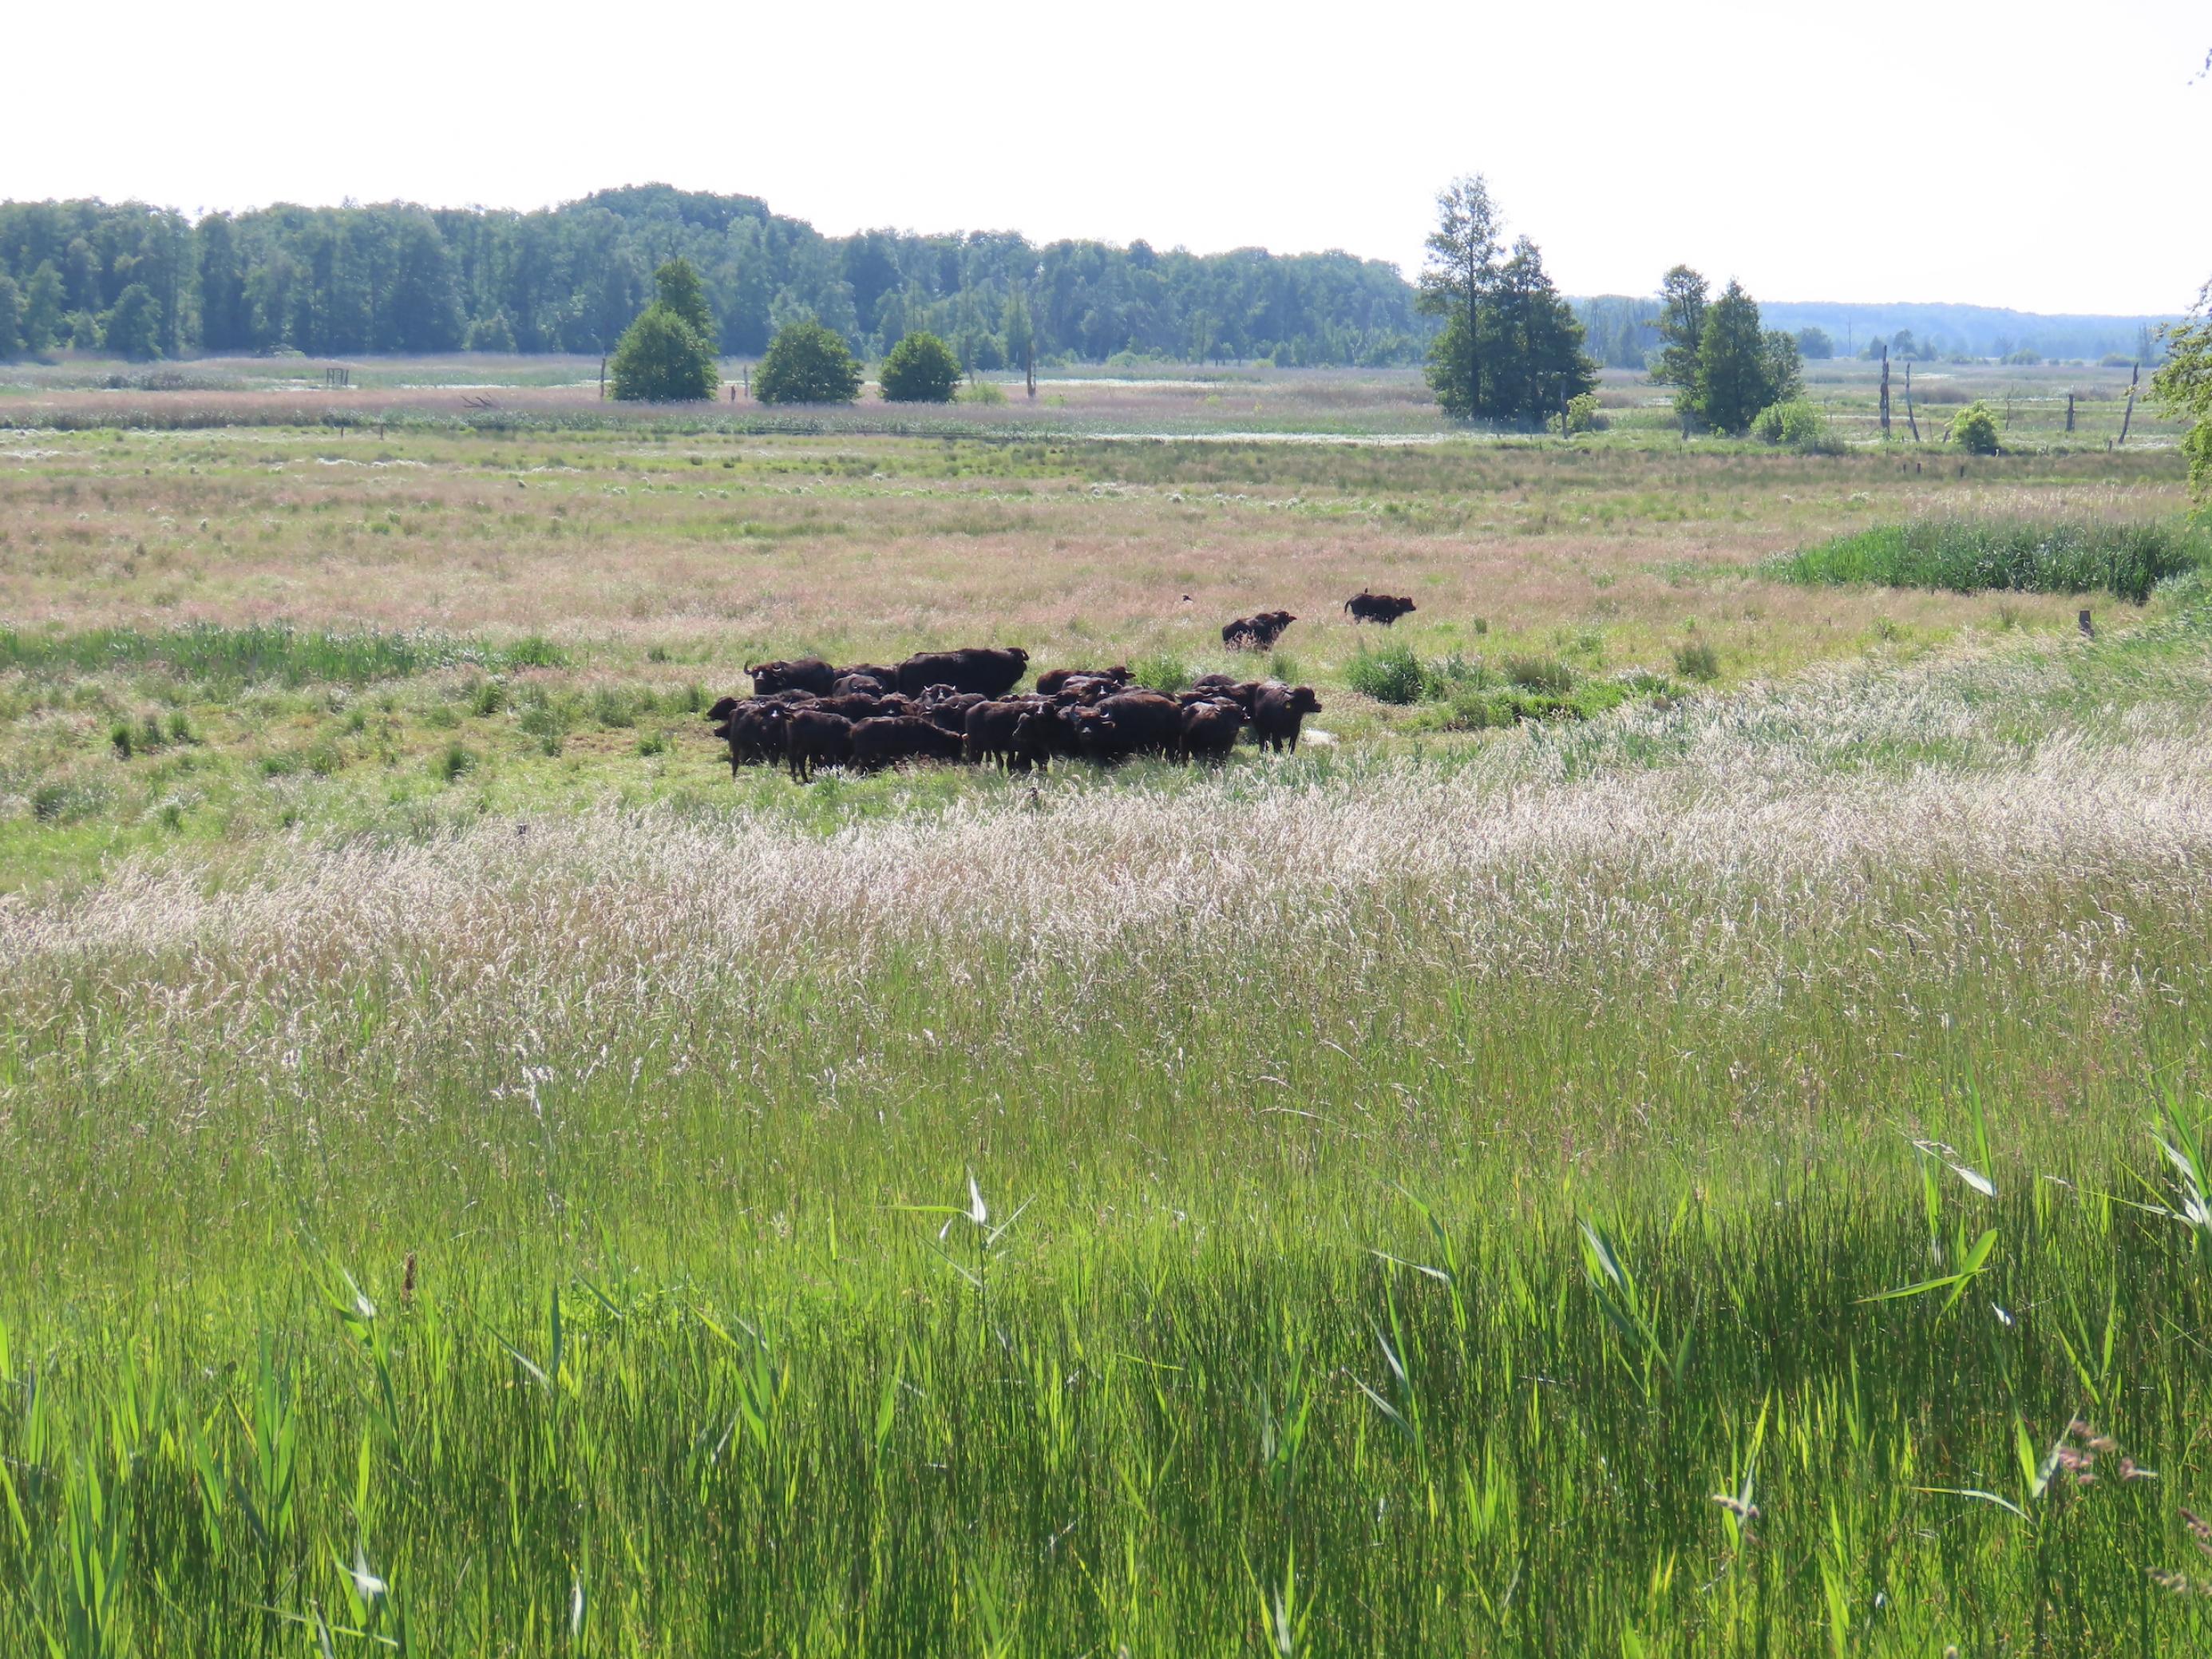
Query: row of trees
[399,277]
[670,354]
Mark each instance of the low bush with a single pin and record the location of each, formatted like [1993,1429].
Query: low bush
[1697,660]
[1388,673]
[1975,430]
[2023,555]
[1164,670]
[1798,424]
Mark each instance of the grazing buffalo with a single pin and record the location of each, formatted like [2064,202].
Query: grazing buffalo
[853,705]
[1210,726]
[810,674]
[1384,608]
[810,736]
[1053,681]
[1258,632]
[1130,723]
[987,671]
[752,727]
[950,709]
[1278,712]
[890,739]
[990,734]
[886,679]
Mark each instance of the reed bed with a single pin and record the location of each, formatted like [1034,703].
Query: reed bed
[1978,554]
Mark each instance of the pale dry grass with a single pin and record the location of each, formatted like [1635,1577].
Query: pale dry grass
[1763,857]
[868,549]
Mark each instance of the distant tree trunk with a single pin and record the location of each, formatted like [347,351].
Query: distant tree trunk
[1884,392]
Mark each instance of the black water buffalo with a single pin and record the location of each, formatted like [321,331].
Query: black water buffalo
[805,674]
[1130,723]
[949,709]
[1384,608]
[752,727]
[890,738]
[983,670]
[991,733]
[1053,681]
[1257,632]
[1210,726]
[1278,712]
[810,736]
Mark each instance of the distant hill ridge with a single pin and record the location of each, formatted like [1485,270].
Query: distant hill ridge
[1619,336]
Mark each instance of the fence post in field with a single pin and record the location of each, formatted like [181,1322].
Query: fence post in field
[2069,411]
[1884,392]
[2130,414]
[2088,628]
[1908,420]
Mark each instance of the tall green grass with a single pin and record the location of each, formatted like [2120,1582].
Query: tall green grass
[1974,555]
[207,653]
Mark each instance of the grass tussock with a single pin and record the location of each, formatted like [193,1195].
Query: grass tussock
[1973,555]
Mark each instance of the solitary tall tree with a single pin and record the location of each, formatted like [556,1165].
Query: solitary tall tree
[1732,383]
[1681,325]
[1462,262]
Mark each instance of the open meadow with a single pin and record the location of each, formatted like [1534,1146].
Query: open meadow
[1675,1123]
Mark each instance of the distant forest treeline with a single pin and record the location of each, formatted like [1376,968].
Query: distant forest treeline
[334,281]
[400,278]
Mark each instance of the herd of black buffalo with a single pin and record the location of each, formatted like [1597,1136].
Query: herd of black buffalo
[959,706]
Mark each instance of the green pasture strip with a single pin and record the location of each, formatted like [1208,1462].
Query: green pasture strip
[267,652]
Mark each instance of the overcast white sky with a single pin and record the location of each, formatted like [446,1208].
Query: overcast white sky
[2035,154]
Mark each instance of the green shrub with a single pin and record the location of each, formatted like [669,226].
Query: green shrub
[1797,424]
[124,740]
[457,763]
[807,363]
[2022,555]
[1697,661]
[663,359]
[1162,671]
[1975,430]
[1584,414]
[921,369]
[1388,673]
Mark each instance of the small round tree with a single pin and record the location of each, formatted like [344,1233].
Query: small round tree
[663,359]
[807,363]
[1975,431]
[921,369]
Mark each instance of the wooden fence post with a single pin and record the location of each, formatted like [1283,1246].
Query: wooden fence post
[1884,392]
[1908,420]
[2130,414]
[2069,412]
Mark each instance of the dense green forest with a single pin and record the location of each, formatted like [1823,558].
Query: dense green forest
[397,277]
[147,281]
